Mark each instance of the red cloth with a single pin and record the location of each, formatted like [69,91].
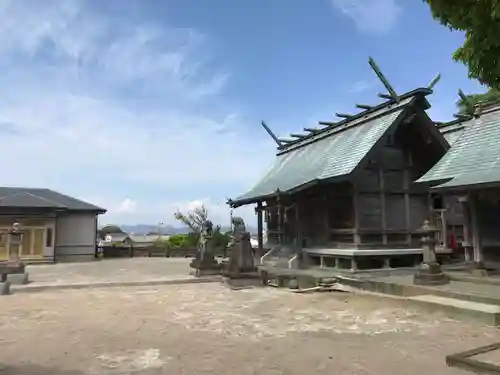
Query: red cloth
[453,242]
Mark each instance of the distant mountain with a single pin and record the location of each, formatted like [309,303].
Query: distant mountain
[147,228]
[167,229]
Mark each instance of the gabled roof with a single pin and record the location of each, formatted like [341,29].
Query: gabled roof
[452,130]
[474,158]
[18,197]
[331,153]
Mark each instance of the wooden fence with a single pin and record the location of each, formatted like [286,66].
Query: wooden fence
[149,252]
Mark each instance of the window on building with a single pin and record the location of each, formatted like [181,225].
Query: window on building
[437,203]
[48,238]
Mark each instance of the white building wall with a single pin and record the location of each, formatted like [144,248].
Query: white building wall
[75,236]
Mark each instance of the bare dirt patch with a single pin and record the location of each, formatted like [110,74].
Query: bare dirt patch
[208,329]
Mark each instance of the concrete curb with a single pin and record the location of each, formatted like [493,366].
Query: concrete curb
[474,280]
[33,288]
[391,288]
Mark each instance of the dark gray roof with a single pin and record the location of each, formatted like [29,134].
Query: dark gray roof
[474,158]
[42,198]
[335,152]
[452,130]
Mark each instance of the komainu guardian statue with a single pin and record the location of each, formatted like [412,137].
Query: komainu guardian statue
[204,263]
[241,259]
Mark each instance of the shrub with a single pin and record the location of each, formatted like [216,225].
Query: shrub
[176,240]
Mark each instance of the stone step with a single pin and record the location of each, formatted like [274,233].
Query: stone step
[35,261]
[460,309]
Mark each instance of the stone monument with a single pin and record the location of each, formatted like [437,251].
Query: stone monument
[241,259]
[429,272]
[240,271]
[204,263]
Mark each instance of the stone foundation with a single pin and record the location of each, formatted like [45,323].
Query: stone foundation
[18,278]
[4,288]
[356,260]
[430,274]
[205,271]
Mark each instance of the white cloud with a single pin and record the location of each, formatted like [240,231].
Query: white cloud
[103,107]
[129,211]
[361,86]
[376,16]
[128,205]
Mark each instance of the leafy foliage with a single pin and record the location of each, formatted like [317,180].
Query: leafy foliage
[194,220]
[480,20]
[176,240]
[467,106]
[221,240]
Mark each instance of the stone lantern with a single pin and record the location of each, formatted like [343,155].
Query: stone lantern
[429,272]
[14,242]
[13,270]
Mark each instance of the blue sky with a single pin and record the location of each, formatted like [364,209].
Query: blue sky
[147,106]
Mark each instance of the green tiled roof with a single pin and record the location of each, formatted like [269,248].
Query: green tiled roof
[473,158]
[452,130]
[326,155]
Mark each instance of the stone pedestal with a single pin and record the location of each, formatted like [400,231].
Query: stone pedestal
[18,278]
[205,267]
[429,272]
[4,288]
[13,272]
[477,269]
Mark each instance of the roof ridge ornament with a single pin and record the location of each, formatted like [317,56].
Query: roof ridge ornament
[469,107]
[433,81]
[271,134]
[392,93]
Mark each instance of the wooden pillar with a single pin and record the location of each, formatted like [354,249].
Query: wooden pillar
[466,225]
[356,213]
[407,182]
[383,205]
[297,226]
[279,217]
[260,228]
[325,236]
[476,233]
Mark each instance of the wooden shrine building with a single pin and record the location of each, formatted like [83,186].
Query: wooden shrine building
[471,170]
[344,195]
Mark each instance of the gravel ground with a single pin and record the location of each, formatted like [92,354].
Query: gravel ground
[209,329]
[134,269]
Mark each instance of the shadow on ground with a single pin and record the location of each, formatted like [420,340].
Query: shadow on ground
[36,370]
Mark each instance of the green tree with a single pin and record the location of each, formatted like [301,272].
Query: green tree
[194,219]
[467,106]
[177,240]
[480,21]
[221,240]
